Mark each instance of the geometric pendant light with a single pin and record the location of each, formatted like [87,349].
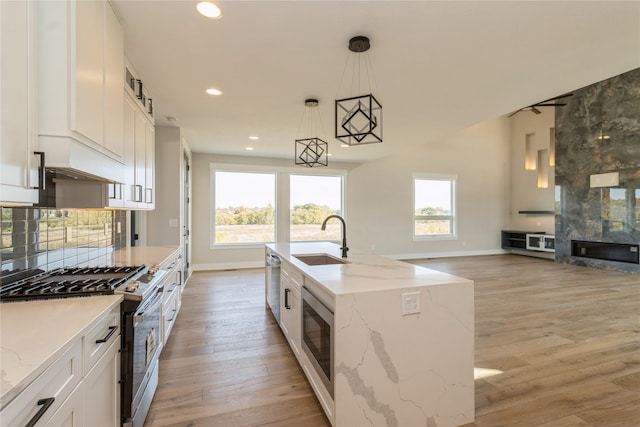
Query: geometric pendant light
[358,118]
[311,151]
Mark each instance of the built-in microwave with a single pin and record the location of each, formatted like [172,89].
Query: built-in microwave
[317,337]
[541,242]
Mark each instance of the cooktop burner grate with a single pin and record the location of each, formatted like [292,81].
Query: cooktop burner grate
[70,282]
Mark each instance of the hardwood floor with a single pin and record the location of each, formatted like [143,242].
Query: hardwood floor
[565,340]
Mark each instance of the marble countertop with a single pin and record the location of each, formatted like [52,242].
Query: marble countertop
[364,272]
[148,255]
[33,334]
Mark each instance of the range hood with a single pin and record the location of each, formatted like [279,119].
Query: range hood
[75,176]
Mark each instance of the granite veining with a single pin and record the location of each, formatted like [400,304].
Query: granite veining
[598,131]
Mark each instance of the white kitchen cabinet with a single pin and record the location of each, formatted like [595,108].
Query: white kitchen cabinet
[101,389]
[47,393]
[80,79]
[79,388]
[71,413]
[291,306]
[172,296]
[139,139]
[18,165]
[149,160]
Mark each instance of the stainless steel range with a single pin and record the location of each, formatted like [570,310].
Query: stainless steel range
[141,320]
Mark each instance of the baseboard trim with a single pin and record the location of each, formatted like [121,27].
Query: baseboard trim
[446,254]
[228,266]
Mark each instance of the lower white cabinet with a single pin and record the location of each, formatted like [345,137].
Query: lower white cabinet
[291,308]
[80,388]
[101,390]
[48,392]
[72,411]
[172,297]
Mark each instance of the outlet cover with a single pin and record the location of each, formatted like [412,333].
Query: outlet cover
[410,303]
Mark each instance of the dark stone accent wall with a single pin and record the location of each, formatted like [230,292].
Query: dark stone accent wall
[598,131]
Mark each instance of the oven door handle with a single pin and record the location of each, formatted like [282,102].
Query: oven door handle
[139,315]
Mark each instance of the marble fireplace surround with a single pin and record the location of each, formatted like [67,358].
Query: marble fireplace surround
[598,132]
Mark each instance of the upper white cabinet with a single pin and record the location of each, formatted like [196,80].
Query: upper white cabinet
[80,80]
[139,137]
[18,164]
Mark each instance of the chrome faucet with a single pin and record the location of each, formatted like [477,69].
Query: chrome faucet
[344,232]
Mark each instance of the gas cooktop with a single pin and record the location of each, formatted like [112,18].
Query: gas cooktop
[73,282]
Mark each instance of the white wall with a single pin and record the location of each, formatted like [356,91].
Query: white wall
[380,194]
[525,194]
[204,256]
[379,210]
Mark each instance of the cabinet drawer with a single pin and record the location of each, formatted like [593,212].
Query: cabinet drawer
[294,275]
[47,392]
[169,314]
[99,338]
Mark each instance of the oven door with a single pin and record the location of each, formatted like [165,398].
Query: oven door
[317,337]
[142,349]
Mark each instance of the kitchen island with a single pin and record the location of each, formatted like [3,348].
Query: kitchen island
[403,337]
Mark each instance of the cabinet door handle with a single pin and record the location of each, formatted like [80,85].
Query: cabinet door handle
[150,111]
[112,330]
[286,299]
[41,171]
[140,94]
[174,315]
[45,403]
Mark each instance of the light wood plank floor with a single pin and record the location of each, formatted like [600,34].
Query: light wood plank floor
[566,340]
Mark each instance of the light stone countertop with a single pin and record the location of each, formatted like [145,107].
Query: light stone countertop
[148,255]
[364,272]
[33,334]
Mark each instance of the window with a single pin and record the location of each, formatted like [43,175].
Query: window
[434,207]
[244,207]
[313,198]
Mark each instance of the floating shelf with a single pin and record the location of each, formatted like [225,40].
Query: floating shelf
[537,212]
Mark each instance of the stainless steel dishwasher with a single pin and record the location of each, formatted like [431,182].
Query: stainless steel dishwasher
[272,278]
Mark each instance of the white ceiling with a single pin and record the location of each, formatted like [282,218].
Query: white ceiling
[440,66]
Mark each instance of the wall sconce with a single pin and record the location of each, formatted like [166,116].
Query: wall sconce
[312,150]
[358,118]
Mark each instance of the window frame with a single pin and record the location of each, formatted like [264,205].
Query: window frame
[453,218]
[282,205]
[213,168]
[337,174]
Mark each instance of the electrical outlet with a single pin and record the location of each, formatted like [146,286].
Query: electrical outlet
[410,303]
[173,222]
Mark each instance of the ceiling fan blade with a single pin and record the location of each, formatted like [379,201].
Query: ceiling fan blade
[566,95]
[514,113]
[535,110]
[559,104]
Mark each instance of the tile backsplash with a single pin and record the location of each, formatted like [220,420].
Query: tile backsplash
[44,239]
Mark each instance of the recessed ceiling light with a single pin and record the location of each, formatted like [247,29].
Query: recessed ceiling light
[209,10]
[214,91]
[329,154]
[344,145]
[255,138]
[248,148]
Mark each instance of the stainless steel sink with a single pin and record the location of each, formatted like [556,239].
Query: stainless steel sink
[319,259]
